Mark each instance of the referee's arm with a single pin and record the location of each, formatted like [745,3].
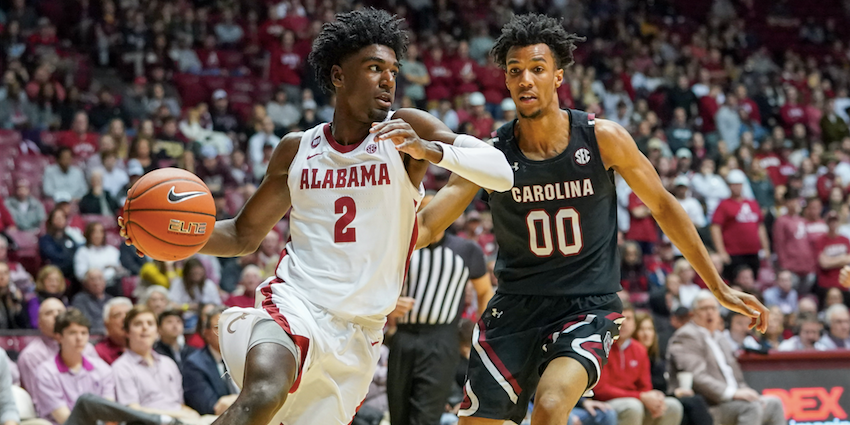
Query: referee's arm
[484,289]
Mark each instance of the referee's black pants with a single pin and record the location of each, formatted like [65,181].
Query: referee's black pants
[420,370]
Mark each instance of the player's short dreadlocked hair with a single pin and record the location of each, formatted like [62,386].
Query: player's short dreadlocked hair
[351,32]
[533,28]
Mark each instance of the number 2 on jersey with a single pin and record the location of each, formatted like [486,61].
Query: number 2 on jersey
[346,207]
[542,244]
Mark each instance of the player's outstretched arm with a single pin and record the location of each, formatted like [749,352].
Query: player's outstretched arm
[448,204]
[243,234]
[620,153]
[424,137]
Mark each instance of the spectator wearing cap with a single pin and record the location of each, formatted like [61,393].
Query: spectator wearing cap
[679,133]
[223,119]
[26,211]
[135,171]
[309,119]
[261,138]
[282,113]
[681,188]
[446,113]
[838,320]
[684,160]
[833,253]
[63,181]
[415,77]
[213,172]
[480,119]
[737,228]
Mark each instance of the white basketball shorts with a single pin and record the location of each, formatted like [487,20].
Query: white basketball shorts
[337,357]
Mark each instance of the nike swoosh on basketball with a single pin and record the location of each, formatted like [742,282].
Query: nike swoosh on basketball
[175,197]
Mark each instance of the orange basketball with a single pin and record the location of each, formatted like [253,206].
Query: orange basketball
[169,214]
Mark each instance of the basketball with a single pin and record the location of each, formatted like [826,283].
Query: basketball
[169,214]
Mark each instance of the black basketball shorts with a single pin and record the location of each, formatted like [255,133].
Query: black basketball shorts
[519,335]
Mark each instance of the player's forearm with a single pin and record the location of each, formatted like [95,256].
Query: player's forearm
[226,242]
[478,162]
[448,204]
[676,224]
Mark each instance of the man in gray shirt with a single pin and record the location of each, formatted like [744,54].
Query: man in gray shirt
[63,181]
[92,299]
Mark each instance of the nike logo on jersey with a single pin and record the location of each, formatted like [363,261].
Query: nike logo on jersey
[175,197]
[315,154]
[375,343]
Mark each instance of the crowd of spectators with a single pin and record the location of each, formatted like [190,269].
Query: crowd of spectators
[742,108]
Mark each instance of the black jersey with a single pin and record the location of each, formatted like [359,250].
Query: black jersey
[557,227]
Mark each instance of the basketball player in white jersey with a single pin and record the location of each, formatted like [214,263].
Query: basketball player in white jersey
[354,187]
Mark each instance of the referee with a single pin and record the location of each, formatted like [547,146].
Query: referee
[425,349]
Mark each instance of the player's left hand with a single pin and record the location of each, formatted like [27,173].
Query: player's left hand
[406,140]
[127,241]
[745,304]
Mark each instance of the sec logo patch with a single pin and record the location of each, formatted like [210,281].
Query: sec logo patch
[315,142]
[582,156]
[372,148]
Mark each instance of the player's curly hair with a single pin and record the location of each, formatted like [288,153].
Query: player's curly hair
[533,28]
[351,32]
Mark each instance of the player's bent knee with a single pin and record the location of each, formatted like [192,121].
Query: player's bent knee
[270,372]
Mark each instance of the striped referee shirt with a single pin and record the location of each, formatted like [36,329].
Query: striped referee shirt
[437,277]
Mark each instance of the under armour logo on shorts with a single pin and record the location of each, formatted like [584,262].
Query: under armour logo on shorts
[496,313]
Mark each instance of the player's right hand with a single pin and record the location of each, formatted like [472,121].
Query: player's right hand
[745,304]
[844,276]
[127,240]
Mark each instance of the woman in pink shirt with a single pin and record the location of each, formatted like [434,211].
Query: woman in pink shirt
[144,379]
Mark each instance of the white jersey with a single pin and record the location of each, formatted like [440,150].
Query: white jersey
[352,225]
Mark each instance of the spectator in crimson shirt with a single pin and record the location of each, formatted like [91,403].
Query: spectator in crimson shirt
[747,104]
[642,228]
[833,253]
[815,226]
[286,64]
[479,117]
[737,229]
[708,107]
[251,278]
[770,161]
[82,143]
[442,80]
[791,242]
[792,112]
[7,221]
[464,70]
[829,179]
[626,382]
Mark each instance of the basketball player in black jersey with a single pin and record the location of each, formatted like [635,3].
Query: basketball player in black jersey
[556,312]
